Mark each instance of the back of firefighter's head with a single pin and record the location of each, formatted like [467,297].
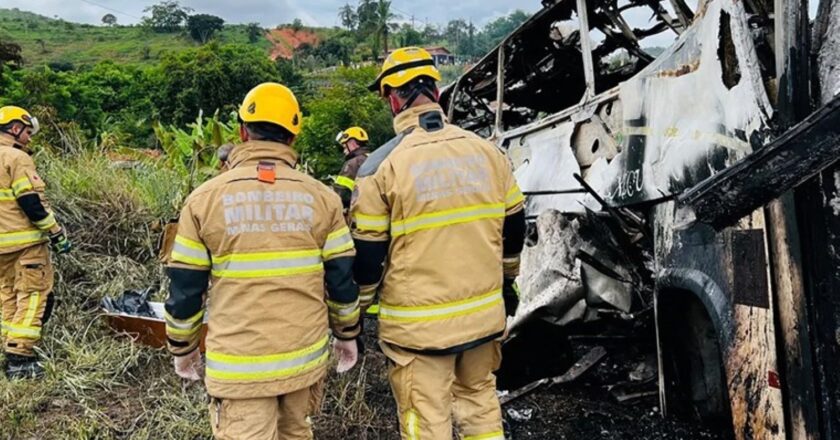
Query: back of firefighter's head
[408,79]
[19,124]
[352,139]
[270,112]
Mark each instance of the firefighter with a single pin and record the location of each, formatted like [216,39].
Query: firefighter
[280,255]
[27,227]
[441,206]
[353,142]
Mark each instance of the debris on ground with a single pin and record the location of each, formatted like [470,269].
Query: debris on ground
[133,315]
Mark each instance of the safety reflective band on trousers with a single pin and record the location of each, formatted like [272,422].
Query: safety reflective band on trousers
[497,435]
[21,185]
[338,242]
[447,218]
[514,196]
[190,252]
[24,237]
[345,182]
[183,327]
[441,311]
[267,264]
[374,223]
[256,368]
[19,331]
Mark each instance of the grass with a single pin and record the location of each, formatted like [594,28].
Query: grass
[100,385]
[45,40]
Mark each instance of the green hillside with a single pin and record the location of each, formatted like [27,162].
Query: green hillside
[45,40]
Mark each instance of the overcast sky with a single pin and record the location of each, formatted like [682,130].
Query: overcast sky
[270,13]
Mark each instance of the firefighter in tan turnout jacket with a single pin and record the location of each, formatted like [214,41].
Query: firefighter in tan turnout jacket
[27,226]
[353,142]
[275,245]
[439,226]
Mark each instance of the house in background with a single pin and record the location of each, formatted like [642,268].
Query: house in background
[441,55]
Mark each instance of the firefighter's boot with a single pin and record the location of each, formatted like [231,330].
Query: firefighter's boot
[23,367]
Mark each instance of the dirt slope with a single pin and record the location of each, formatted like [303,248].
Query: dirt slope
[286,40]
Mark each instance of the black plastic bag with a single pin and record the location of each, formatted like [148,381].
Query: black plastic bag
[131,302]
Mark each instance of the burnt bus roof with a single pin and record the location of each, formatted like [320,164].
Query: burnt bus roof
[544,52]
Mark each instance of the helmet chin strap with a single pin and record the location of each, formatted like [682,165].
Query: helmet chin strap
[418,90]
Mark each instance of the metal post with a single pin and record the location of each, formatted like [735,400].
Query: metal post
[500,92]
[790,296]
[586,50]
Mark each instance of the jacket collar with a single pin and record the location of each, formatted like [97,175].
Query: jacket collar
[410,118]
[362,151]
[252,152]
[7,140]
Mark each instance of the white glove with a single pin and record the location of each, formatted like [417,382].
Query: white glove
[189,367]
[347,353]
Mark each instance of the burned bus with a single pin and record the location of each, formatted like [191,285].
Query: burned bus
[694,182]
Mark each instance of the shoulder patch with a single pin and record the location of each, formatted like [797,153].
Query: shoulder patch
[377,157]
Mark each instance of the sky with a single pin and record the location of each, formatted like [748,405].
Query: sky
[270,13]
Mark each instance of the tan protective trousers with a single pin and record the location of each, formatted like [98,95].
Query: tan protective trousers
[26,282]
[429,390]
[285,417]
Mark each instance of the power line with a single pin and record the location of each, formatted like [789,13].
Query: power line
[112,9]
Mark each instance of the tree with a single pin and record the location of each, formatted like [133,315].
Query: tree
[349,17]
[455,32]
[297,25]
[384,23]
[202,27]
[408,36]
[496,31]
[9,55]
[342,102]
[109,19]
[209,78]
[468,46]
[167,16]
[430,33]
[254,32]
[366,16]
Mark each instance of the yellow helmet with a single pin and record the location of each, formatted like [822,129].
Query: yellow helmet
[11,114]
[357,133]
[404,65]
[273,103]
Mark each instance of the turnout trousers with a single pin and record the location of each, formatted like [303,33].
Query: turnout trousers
[431,389]
[285,417]
[26,282]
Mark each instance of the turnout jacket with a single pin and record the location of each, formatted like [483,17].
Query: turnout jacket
[25,216]
[345,183]
[279,254]
[430,208]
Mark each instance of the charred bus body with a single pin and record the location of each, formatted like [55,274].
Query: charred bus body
[665,183]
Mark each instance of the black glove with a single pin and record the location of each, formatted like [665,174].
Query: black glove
[59,242]
[510,293]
